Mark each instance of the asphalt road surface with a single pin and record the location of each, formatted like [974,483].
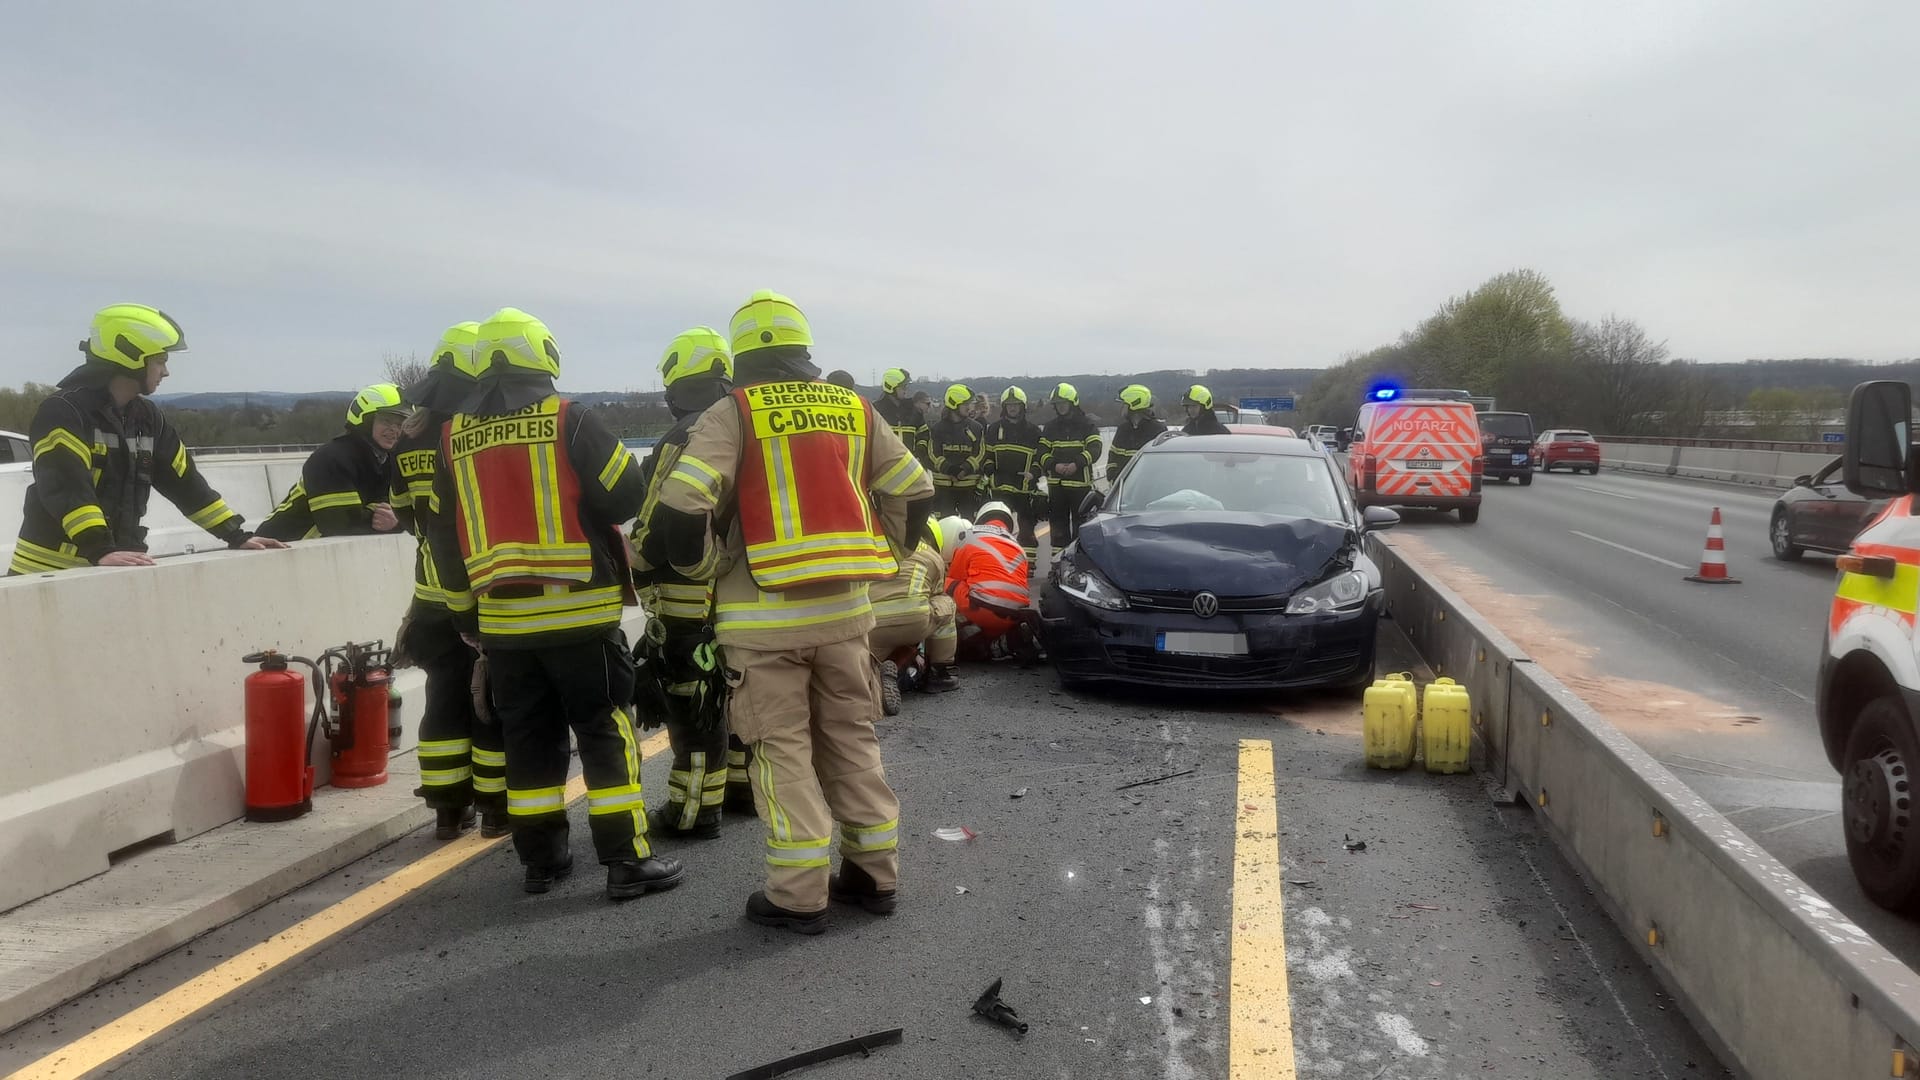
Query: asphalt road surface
[1452,941]
[1716,681]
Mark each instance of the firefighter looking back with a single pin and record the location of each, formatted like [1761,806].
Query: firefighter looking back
[463,761]
[900,410]
[771,494]
[346,486]
[1013,449]
[1068,449]
[531,491]
[1137,428]
[959,449]
[100,449]
[698,372]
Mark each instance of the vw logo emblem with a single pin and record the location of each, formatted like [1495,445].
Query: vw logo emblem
[1206,605]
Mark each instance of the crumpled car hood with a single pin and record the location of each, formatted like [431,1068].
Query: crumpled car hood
[1231,554]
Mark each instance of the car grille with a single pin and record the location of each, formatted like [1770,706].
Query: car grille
[1179,601]
[1267,667]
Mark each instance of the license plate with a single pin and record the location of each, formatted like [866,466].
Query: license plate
[1519,459]
[1193,644]
[1426,463]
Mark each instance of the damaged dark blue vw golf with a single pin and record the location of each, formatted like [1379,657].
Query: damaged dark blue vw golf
[1219,561]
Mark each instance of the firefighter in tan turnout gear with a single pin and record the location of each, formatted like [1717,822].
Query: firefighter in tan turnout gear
[912,612]
[771,497]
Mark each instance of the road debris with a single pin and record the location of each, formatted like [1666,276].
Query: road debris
[989,1005]
[864,1046]
[1156,779]
[1355,845]
[955,832]
[1020,794]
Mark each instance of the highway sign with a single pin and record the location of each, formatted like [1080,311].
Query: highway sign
[1267,404]
[1833,437]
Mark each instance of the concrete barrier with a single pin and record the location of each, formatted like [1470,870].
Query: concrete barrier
[1760,468]
[1782,985]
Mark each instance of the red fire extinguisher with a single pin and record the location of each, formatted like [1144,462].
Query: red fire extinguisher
[279,780]
[360,686]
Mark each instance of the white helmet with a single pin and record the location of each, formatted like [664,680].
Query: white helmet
[951,530]
[997,509]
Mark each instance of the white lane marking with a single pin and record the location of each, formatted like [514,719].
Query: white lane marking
[1630,551]
[1604,491]
[1808,820]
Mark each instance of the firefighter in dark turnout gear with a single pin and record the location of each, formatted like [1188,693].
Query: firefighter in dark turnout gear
[346,487]
[1069,447]
[959,451]
[1137,428]
[531,491]
[697,371]
[897,407]
[463,760]
[1200,418]
[100,449]
[1013,449]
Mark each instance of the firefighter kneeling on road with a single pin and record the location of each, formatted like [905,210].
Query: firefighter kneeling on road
[697,372]
[463,760]
[911,611]
[987,578]
[346,486]
[771,494]
[531,491]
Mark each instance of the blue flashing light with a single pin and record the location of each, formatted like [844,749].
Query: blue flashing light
[1385,393]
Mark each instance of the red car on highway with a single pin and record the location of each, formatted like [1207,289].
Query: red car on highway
[1575,450]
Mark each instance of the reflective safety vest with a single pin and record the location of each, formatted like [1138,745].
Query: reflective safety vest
[414,463]
[802,487]
[989,570]
[519,520]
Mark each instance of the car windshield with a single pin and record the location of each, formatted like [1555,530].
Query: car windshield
[1507,425]
[1216,480]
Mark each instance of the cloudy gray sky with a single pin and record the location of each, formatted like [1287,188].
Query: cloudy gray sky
[960,188]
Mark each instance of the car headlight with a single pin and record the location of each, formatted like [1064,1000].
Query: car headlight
[1346,589]
[1088,587]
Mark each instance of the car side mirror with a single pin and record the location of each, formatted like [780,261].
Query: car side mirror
[1803,480]
[1878,459]
[1091,505]
[1375,518]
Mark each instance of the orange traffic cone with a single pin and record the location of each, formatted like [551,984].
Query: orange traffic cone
[1713,561]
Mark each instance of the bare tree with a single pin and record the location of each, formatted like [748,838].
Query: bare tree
[1626,370]
[404,371]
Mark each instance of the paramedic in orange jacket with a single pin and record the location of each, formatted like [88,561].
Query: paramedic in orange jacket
[987,579]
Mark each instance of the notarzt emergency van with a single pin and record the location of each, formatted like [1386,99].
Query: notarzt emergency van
[1418,448]
[1868,697]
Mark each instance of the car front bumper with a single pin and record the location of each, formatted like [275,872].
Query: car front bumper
[1282,651]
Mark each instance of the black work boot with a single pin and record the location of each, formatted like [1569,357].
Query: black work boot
[666,822]
[853,885]
[451,821]
[543,876]
[767,913]
[495,824]
[942,678]
[740,800]
[626,880]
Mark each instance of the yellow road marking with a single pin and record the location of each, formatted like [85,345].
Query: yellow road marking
[1260,1025]
[119,1036]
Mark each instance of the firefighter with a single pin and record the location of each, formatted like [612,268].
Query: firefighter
[912,614]
[697,372]
[959,450]
[463,761]
[1137,428]
[101,448]
[903,412]
[346,487]
[764,496]
[987,579]
[1069,447]
[1200,418]
[1013,448]
[530,491]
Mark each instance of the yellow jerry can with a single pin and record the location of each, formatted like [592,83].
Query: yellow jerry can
[1446,728]
[1389,713]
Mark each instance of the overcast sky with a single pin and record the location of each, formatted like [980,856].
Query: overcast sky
[992,188]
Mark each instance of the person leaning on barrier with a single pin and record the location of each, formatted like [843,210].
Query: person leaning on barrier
[101,448]
[1013,463]
[531,490]
[709,765]
[904,413]
[463,760]
[959,449]
[346,486]
[913,618]
[1200,419]
[1137,428]
[796,494]
[1069,446]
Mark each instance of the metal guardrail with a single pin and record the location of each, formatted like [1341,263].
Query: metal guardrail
[274,448]
[1726,444]
[1780,983]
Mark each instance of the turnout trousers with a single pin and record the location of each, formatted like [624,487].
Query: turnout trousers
[540,693]
[462,758]
[699,777]
[935,630]
[808,714]
[1062,504]
[963,501]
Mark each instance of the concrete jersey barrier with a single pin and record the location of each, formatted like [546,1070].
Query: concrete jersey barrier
[1761,468]
[1778,980]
